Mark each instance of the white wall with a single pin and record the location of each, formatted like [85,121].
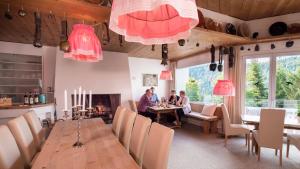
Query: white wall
[140,66]
[109,76]
[48,54]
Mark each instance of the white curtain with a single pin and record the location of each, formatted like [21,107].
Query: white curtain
[173,66]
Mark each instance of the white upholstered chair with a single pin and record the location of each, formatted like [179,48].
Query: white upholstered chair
[126,128]
[234,129]
[158,147]
[270,133]
[10,156]
[117,121]
[293,139]
[133,105]
[139,136]
[36,128]
[21,131]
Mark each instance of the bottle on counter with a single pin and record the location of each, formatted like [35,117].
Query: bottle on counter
[31,99]
[36,98]
[26,99]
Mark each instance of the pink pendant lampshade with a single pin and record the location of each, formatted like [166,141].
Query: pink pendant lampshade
[84,44]
[224,88]
[166,75]
[153,21]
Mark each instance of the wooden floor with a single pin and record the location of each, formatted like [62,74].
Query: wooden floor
[192,149]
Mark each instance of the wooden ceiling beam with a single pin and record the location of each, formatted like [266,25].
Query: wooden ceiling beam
[75,9]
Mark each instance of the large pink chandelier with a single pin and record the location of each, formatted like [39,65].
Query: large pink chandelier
[153,21]
[84,44]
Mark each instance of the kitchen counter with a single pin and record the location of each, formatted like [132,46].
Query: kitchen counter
[43,111]
[21,106]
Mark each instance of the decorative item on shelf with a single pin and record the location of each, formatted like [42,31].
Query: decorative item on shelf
[220,65]
[289,44]
[21,11]
[5,101]
[164,54]
[105,37]
[278,28]
[153,22]
[210,24]
[38,30]
[181,42]
[255,35]
[256,48]
[153,47]
[7,13]
[213,65]
[243,30]
[231,57]
[166,75]
[84,44]
[121,40]
[201,18]
[197,44]
[224,88]
[249,49]
[64,44]
[242,48]
[294,28]
[230,29]
[273,46]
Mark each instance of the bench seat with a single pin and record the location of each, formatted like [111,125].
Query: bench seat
[202,117]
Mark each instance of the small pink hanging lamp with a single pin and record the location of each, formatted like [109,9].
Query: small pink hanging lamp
[153,21]
[166,75]
[84,44]
[224,88]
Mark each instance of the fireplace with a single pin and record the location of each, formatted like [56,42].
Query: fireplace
[103,105]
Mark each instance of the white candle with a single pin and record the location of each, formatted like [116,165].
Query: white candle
[90,103]
[79,97]
[66,105]
[75,98]
[83,97]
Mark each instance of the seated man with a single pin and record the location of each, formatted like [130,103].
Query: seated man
[144,103]
[154,97]
[183,102]
[173,99]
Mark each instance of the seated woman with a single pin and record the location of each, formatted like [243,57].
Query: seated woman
[144,103]
[183,102]
[173,99]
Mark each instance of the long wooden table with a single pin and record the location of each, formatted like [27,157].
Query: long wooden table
[101,149]
[170,110]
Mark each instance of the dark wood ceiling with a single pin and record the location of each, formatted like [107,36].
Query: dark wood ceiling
[251,9]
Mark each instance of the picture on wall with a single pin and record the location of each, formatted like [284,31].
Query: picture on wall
[150,79]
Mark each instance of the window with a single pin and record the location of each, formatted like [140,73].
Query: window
[198,82]
[272,81]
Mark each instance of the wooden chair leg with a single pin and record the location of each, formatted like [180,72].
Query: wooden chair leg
[280,157]
[246,138]
[276,151]
[287,148]
[225,141]
[258,153]
[248,141]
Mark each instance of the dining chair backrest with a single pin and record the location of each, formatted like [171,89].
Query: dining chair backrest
[133,105]
[117,121]
[271,128]
[21,131]
[158,147]
[226,119]
[126,128]
[36,128]
[138,137]
[10,156]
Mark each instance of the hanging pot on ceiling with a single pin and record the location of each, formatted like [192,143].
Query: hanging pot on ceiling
[64,43]
[220,65]
[164,54]
[7,13]
[181,42]
[105,34]
[38,30]
[213,65]
[22,12]
[231,57]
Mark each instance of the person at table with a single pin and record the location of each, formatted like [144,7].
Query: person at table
[144,103]
[173,99]
[154,97]
[183,102]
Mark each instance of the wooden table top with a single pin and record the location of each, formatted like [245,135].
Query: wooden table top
[101,149]
[160,108]
[292,123]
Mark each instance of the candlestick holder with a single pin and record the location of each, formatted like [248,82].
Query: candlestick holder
[78,144]
[90,112]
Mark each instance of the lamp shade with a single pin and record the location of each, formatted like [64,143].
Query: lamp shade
[166,75]
[84,44]
[224,88]
[153,21]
